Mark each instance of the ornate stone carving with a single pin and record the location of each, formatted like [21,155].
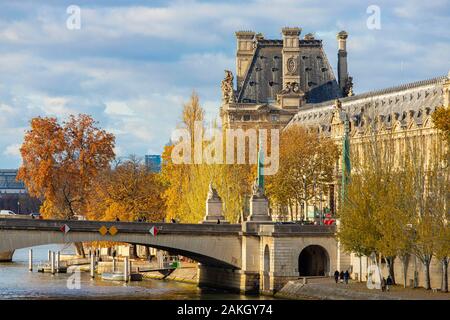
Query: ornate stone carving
[227,88]
[291,87]
[348,88]
[212,193]
[291,65]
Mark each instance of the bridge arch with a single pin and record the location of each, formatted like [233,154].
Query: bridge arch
[313,260]
[217,246]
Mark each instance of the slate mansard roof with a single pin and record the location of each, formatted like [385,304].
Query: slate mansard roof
[410,100]
[264,77]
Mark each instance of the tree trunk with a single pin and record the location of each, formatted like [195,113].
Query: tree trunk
[444,285]
[80,249]
[405,262]
[360,268]
[290,210]
[390,264]
[426,264]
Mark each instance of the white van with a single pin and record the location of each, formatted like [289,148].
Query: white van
[6,213]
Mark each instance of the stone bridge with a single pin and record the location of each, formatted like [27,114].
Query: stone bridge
[248,257]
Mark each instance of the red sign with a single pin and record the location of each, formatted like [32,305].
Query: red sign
[65,228]
[153,231]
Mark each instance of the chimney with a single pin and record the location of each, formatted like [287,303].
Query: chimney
[244,54]
[342,59]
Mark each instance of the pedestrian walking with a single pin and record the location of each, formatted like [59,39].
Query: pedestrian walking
[389,282]
[346,276]
[341,277]
[336,276]
[383,284]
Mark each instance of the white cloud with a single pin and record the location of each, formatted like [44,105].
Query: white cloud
[118,108]
[133,66]
[12,150]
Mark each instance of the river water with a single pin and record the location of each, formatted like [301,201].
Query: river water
[16,282]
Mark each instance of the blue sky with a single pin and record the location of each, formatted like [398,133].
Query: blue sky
[133,63]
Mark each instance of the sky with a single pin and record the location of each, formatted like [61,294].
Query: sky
[132,64]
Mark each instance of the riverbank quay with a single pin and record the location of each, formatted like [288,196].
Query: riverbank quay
[187,273]
[327,289]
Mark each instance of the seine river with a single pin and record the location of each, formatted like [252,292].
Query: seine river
[16,282]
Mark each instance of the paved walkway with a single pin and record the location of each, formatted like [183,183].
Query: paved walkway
[326,288]
[398,291]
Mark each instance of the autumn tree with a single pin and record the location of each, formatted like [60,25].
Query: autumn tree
[60,161]
[187,183]
[375,213]
[177,176]
[307,161]
[441,120]
[128,192]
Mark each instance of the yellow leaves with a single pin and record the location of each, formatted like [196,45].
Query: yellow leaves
[441,120]
[187,184]
[306,160]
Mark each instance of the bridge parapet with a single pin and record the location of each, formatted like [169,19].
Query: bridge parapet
[122,227]
[293,229]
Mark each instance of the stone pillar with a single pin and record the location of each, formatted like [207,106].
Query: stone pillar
[214,208]
[259,206]
[244,54]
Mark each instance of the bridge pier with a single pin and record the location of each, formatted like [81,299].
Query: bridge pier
[228,279]
[6,256]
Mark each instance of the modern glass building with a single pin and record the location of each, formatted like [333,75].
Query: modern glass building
[153,162]
[9,184]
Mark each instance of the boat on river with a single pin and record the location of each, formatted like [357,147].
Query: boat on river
[118,276]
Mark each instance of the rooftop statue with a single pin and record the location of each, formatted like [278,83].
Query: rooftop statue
[227,87]
[348,89]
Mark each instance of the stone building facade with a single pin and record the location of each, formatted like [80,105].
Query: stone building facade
[276,78]
[282,83]
[288,82]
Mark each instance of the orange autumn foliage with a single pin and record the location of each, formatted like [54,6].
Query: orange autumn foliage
[128,192]
[61,161]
